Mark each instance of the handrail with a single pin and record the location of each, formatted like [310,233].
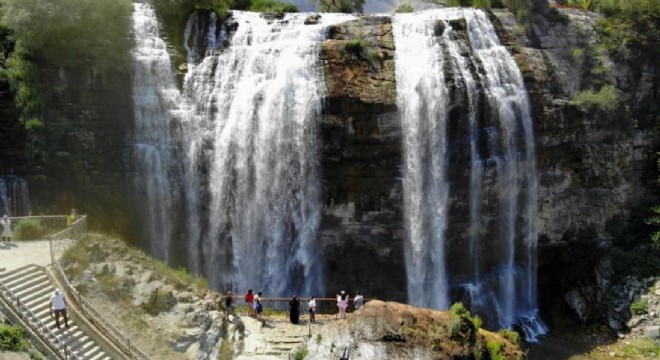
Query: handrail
[49,222]
[94,316]
[323,305]
[60,242]
[37,326]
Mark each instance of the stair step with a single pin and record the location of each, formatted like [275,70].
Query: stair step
[84,347]
[30,287]
[99,356]
[19,282]
[40,295]
[18,273]
[33,287]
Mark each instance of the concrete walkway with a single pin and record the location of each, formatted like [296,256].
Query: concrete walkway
[17,254]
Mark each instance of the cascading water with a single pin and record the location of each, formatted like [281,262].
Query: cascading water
[246,155]
[459,88]
[14,196]
[155,96]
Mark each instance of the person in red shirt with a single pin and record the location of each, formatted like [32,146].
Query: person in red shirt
[249,299]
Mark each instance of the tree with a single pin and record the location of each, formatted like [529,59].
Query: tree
[342,6]
[66,32]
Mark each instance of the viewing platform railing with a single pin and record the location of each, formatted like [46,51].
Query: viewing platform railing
[324,306]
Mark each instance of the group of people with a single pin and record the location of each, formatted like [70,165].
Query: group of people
[5,224]
[342,302]
[254,304]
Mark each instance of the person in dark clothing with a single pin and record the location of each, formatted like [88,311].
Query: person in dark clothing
[294,310]
[229,305]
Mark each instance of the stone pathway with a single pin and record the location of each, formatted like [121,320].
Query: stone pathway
[20,253]
[276,340]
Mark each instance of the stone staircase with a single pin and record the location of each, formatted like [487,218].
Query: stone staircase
[33,287]
[276,340]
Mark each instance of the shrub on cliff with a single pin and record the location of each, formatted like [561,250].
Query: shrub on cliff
[273,6]
[604,99]
[12,338]
[405,8]
[340,6]
[480,4]
[29,229]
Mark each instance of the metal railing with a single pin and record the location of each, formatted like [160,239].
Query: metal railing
[49,222]
[36,325]
[102,324]
[323,305]
[59,243]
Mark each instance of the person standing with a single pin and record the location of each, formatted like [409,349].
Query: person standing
[343,304]
[58,305]
[249,299]
[358,301]
[294,309]
[229,305]
[71,218]
[312,309]
[258,307]
[6,229]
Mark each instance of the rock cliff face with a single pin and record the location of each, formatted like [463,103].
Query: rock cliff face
[388,330]
[596,169]
[361,159]
[91,115]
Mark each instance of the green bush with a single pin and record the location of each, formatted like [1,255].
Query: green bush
[340,6]
[12,338]
[477,322]
[301,353]
[604,100]
[483,4]
[639,307]
[354,49]
[454,329]
[273,6]
[459,309]
[405,8]
[511,335]
[495,350]
[583,4]
[29,229]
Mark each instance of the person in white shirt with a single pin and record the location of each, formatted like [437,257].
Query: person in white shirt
[358,301]
[58,305]
[6,229]
[312,309]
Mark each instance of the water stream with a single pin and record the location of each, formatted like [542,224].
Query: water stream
[459,88]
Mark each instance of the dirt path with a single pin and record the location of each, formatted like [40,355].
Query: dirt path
[20,253]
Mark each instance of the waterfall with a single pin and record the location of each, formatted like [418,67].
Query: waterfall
[14,196]
[155,97]
[470,215]
[228,168]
